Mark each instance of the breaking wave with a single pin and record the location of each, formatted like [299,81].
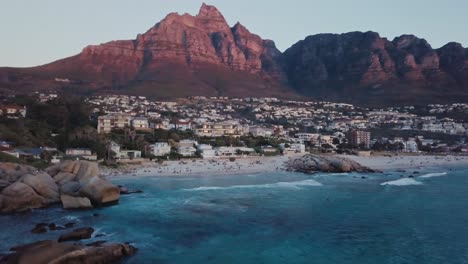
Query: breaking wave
[430,175]
[291,185]
[402,182]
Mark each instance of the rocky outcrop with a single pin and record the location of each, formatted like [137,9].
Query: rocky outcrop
[19,197]
[186,55]
[363,67]
[52,252]
[313,164]
[76,184]
[69,202]
[44,186]
[77,234]
[195,55]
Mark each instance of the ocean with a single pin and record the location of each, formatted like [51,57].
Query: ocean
[279,218]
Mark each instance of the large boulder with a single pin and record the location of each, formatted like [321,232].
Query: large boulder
[64,177]
[53,252]
[44,185]
[20,197]
[313,163]
[69,202]
[71,188]
[100,191]
[70,166]
[77,234]
[12,172]
[87,171]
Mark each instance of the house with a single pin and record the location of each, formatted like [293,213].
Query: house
[13,110]
[81,153]
[258,131]
[160,149]
[187,148]
[410,146]
[129,155]
[292,148]
[359,138]
[6,144]
[113,121]
[206,151]
[181,124]
[228,128]
[140,123]
[9,151]
[269,150]
[233,151]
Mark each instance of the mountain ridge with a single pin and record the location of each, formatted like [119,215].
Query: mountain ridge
[185,55]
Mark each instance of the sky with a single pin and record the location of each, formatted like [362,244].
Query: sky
[38,32]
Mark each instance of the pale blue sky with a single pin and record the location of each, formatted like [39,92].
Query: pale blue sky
[37,32]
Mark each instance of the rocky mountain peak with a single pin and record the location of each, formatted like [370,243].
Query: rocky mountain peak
[210,12]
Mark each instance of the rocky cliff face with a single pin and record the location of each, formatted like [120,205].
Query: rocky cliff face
[180,56]
[185,43]
[186,55]
[363,67]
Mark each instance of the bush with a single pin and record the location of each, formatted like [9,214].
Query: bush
[232,159]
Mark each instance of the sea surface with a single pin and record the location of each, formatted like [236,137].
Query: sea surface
[279,218]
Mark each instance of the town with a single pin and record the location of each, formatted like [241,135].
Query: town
[130,129]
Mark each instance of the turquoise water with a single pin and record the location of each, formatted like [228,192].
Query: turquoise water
[279,218]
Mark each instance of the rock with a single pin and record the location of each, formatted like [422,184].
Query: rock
[4,184]
[125,191]
[52,252]
[12,172]
[69,225]
[100,191]
[313,163]
[53,170]
[69,166]
[71,188]
[44,185]
[64,177]
[87,171]
[77,234]
[19,197]
[69,202]
[97,243]
[39,230]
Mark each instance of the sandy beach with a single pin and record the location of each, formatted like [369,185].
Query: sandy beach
[248,166]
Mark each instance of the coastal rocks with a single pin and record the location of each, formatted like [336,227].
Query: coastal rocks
[312,164]
[44,186]
[12,172]
[100,191]
[74,183]
[77,234]
[69,202]
[48,251]
[19,197]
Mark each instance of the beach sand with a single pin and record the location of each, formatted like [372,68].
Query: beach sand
[255,165]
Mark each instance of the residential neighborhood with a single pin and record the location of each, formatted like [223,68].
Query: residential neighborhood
[135,128]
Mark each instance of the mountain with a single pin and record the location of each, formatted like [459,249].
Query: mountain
[186,55]
[366,68]
[182,55]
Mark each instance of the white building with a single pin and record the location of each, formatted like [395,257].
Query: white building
[140,123]
[233,151]
[410,146]
[112,121]
[206,151]
[160,149]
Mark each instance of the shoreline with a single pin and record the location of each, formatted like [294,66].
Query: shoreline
[256,165]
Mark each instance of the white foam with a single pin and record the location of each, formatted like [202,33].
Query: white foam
[291,185]
[430,175]
[402,182]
